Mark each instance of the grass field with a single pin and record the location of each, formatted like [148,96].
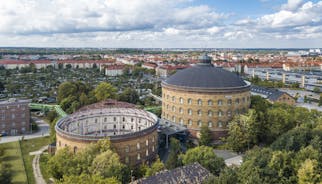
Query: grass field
[30,146]
[12,156]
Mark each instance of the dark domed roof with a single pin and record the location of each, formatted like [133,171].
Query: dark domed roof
[204,75]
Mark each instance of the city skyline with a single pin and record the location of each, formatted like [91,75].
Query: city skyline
[162,24]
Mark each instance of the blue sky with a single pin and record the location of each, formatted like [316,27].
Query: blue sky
[162,23]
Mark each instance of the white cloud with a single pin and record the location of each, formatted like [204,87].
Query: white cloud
[292,5]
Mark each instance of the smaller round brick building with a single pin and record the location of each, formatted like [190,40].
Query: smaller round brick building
[132,131]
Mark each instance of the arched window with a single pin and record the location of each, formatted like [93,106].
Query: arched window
[219,113]
[209,124]
[147,152]
[210,103]
[181,121]
[236,111]
[199,112]
[174,119]
[180,110]
[167,96]
[229,102]
[190,122]
[173,108]
[189,111]
[199,102]
[75,149]
[243,99]
[189,101]
[181,100]
[138,156]
[138,146]
[147,142]
[237,101]
[173,99]
[199,123]
[229,113]
[219,124]
[219,102]
[127,149]
[167,107]
[210,113]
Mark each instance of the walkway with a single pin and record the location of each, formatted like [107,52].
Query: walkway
[57,108]
[36,166]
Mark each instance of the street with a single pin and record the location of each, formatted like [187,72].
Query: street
[43,131]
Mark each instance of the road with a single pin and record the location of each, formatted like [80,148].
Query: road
[36,166]
[43,131]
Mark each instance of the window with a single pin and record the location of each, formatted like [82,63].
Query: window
[114,126]
[209,124]
[243,99]
[174,119]
[181,100]
[219,124]
[123,119]
[199,112]
[153,138]
[167,107]
[75,149]
[114,118]
[219,102]
[23,115]
[229,102]
[237,101]
[180,110]
[173,108]
[173,99]
[189,101]
[147,142]
[219,113]
[127,160]
[189,111]
[210,113]
[181,121]
[147,152]
[237,111]
[210,103]
[190,122]
[105,119]
[95,120]
[199,102]
[127,149]
[153,148]
[199,123]
[13,116]
[138,156]
[138,146]
[229,113]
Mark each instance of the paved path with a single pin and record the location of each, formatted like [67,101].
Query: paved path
[36,166]
[43,131]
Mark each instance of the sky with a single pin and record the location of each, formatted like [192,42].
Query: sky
[161,23]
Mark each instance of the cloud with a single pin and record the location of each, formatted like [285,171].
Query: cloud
[66,16]
[292,5]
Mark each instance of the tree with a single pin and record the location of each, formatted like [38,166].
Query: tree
[1,86]
[227,176]
[316,90]
[320,100]
[309,173]
[243,132]
[62,164]
[205,136]
[129,95]
[206,157]
[104,91]
[156,167]
[86,178]
[65,90]
[173,159]
[107,164]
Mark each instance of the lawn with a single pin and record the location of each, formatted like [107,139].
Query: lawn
[30,146]
[12,156]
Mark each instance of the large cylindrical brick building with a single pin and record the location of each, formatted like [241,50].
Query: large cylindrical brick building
[132,131]
[204,95]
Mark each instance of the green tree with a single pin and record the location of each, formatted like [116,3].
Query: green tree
[104,91]
[86,179]
[156,167]
[83,99]
[107,164]
[227,176]
[206,157]
[243,132]
[205,136]
[320,100]
[1,86]
[65,90]
[173,158]
[129,95]
[62,164]
[309,173]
